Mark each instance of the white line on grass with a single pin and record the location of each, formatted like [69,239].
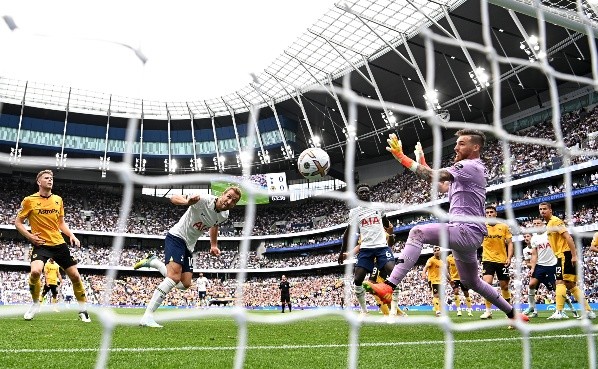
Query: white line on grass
[282,347]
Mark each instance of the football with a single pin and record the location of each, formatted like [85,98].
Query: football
[313,163]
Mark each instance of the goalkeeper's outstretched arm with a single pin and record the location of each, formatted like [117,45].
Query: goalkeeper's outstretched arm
[421,168]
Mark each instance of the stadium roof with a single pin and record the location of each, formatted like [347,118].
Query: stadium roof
[382,46]
[333,46]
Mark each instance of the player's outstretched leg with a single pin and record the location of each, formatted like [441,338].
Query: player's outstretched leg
[468,270]
[145,262]
[407,259]
[152,261]
[382,290]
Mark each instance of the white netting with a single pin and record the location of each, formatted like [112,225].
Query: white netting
[110,320]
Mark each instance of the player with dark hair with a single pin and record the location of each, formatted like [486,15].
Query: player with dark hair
[564,249]
[203,212]
[374,251]
[465,182]
[45,212]
[52,280]
[497,251]
[202,289]
[433,273]
[285,293]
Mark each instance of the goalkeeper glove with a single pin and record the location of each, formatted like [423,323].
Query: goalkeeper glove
[396,149]
[419,155]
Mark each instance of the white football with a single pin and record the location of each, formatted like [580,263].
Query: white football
[313,163]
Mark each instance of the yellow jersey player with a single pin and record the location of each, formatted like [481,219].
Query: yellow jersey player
[433,272]
[497,251]
[45,212]
[456,285]
[52,275]
[564,249]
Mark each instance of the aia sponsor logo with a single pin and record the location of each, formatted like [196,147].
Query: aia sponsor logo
[370,221]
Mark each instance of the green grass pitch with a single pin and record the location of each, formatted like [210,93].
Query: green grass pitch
[59,340]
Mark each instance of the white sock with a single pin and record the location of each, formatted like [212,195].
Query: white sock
[159,295]
[394,302]
[568,303]
[360,294]
[161,267]
[531,298]
[82,306]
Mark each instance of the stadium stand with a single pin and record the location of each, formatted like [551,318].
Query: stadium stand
[94,210]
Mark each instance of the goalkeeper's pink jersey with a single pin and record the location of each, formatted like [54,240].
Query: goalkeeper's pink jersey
[467,192]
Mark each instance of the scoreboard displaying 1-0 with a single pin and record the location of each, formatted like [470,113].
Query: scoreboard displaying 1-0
[277,187]
[273,185]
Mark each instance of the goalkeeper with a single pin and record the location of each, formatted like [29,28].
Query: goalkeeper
[465,182]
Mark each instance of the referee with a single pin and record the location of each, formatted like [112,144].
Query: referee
[285,293]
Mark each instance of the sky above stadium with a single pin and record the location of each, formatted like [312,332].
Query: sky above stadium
[195,50]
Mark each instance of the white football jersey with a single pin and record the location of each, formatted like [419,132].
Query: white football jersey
[198,218]
[369,223]
[68,290]
[202,284]
[542,245]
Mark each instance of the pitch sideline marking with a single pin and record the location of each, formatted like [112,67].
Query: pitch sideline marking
[282,347]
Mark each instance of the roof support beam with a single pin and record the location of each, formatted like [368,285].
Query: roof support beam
[217,157]
[303,64]
[253,115]
[361,17]
[232,115]
[297,99]
[194,165]
[332,43]
[559,17]
[141,165]
[61,158]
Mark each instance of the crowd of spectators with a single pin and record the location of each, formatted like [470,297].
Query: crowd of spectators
[96,209]
[102,255]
